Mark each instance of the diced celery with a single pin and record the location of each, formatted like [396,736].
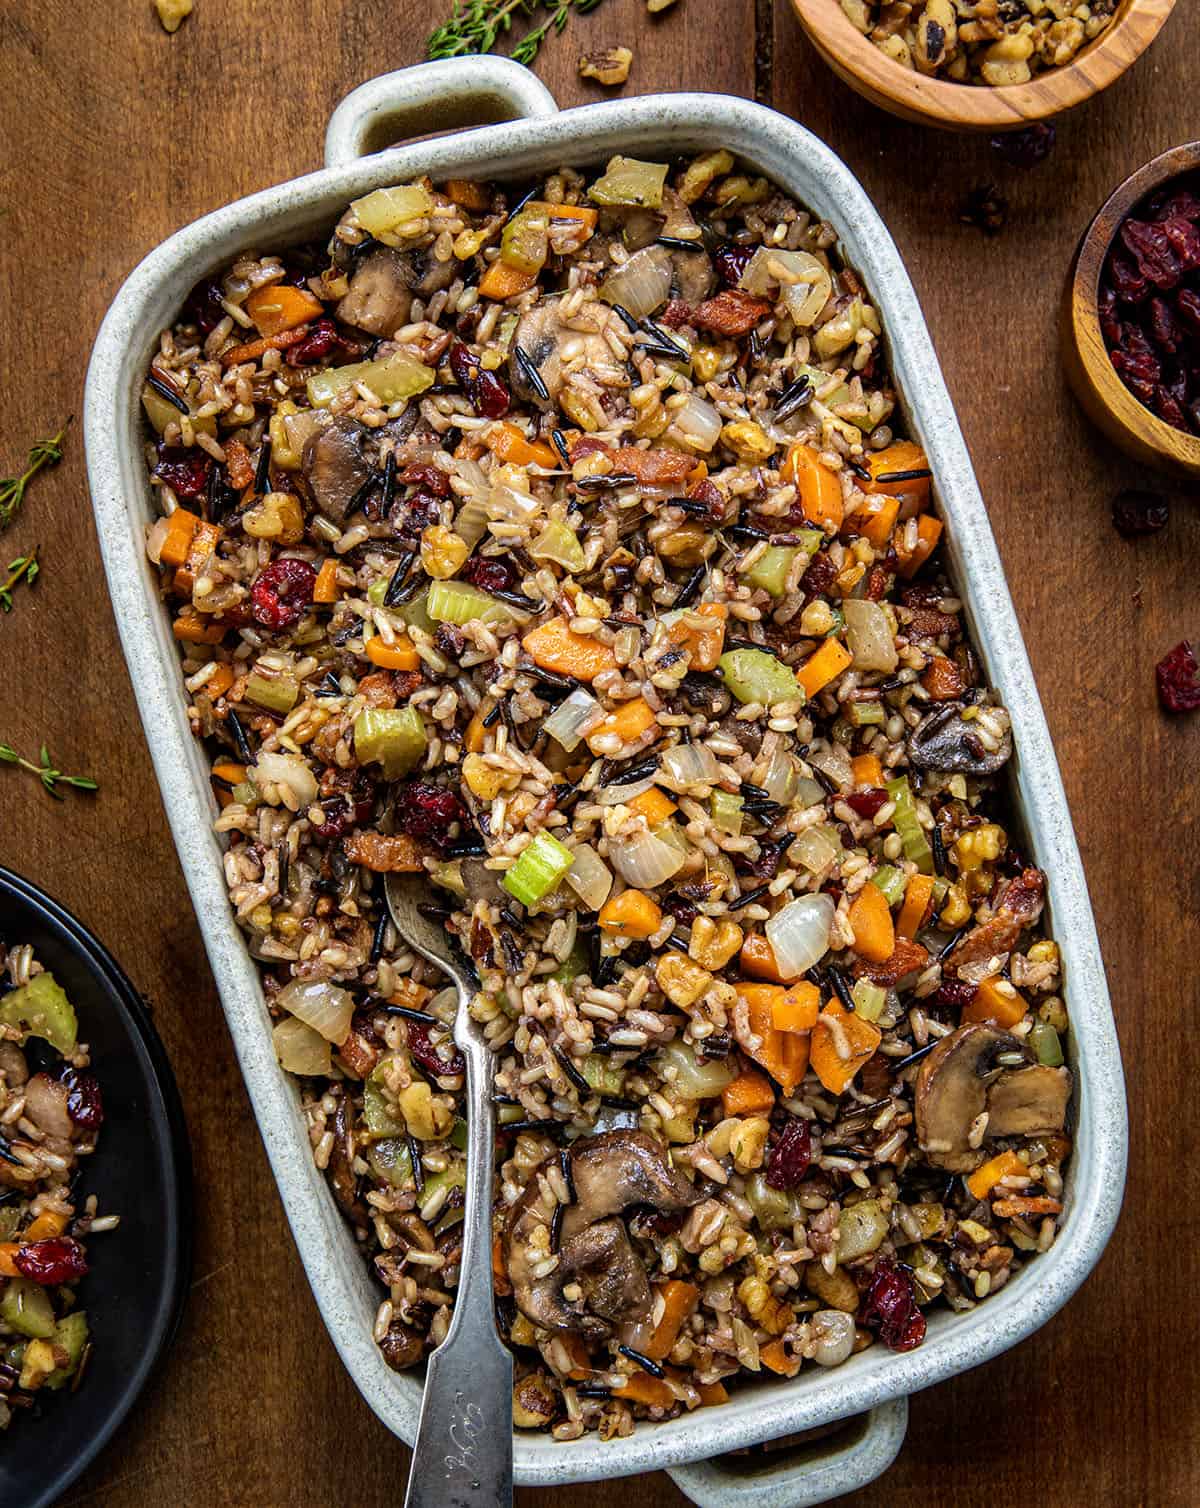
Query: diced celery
[770,570]
[940,886]
[727,812]
[387,209]
[391,378]
[456,602]
[391,1160]
[507,1115]
[449,877]
[838,624]
[415,613]
[10,1218]
[602,1076]
[391,736]
[378,590]
[525,241]
[26,1308]
[864,714]
[381,1117]
[560,544]
[891,881]
[628,181]
[453,1177]
[70,1335]
[245,793]
[753,675]
[1045,1042]
[42,1009]
[908,827]
[458,1134]
[575,963]
[276,693]
[811,541]
[541,866]
[869,999]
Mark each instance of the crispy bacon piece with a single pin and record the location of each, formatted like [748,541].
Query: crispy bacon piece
[731,313]
[1019,905]
[384,855]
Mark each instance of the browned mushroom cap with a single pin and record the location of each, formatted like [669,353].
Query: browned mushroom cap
[540,337]
[609,1271]
[334,466]
[382,287]
[951,1093]
[527,1245]
[340,1168]
[944,741]
[402,1346]
[1029,1101]
[621,1168]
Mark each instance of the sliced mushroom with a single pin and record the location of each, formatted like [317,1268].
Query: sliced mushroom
[943,741]
[402,1346]
[542,338]
[621,1168]
[482,883]
[1029,1101]
[384,284]
[602,1260]
[334,466]
[747,734]
[340,1169]
[693,276]
[951,1093]
[46,1106]
[13,1065]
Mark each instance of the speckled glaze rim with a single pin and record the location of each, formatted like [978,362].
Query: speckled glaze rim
[802,164]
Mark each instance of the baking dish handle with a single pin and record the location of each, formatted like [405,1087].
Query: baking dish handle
[451,95]
[861,1450]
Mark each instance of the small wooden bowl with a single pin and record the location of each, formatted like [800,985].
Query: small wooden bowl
[978,107]
[1104,397]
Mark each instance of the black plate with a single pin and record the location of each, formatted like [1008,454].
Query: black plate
[135,1291]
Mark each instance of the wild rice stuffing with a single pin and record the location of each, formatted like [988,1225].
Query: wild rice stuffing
[555,541]
[50,1114]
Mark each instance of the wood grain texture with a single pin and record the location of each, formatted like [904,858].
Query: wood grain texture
[958,107]
[111,146]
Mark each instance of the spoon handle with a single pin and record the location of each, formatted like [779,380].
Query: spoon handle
[463,1456]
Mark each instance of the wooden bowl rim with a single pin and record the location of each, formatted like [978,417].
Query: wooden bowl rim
[1174,444]
[980,106]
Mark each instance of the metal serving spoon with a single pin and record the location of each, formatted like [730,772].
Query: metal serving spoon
[463,1455]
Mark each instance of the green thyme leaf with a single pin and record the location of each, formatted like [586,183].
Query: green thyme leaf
[12,489]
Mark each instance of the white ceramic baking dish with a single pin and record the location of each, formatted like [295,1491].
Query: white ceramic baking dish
[468,91]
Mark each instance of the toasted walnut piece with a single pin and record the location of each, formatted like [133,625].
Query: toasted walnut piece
[681,980]
[701,174]
[748,441]
[535,1402]
[713,943]
[608,67]
[173,13]
[655,6]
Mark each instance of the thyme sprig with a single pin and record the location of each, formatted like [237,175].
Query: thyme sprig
[24,568]
[45,771]
[477,25]
[12,489]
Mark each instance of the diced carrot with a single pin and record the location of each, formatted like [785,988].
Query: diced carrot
[401,655]
[749,1094]
[655,805]
[469,193]
[758,959]
[476,735]
[916,905]
[581,212]
[775,1358]
[219,682]
[326,588]
[876,519]
[640,1387]
[984,1179]
[205,538]
[501,281]
[703,644]
[871,922]
[554,647]
[996,1003]
[819,489]
[507,443]
[178,539]
[679,1304]
[227,770]
[796,1009]
[826,665]
[795,1055]
[778,1050]
[253,349]
[1021,1205]
[577,1353]
[712,1393]
[631,914]
[51,1223]
[281,307]
[409,992]
[628,722]
[929,531]
[867,770]
[191,628]
[861,1038]
[900,455]
[500,1278]
[8,1268]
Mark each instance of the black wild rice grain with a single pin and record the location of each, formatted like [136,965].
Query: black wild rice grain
[690,588]
[939,849]
[262,472]
[164,390]
[749,898]
[560,444]
[423,1018]
[642,1361]
[572,1073]
[917,474]
[377,937]
[395,586]
[239,738]
[531,374]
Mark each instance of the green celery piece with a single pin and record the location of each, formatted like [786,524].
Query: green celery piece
[575,963]
[453,1177]
[391,736]
[1045,1042]
[891,881]
[415,612]
[525,241]
[42,1009]
[381,1118]
[869,999]
[391,1160]
[449,876]
[629,181]
[911,834]
[458,1134]
[506,1115]
[26,1308]
[535,874]
[275,693]
[602,1076]
[864,714]
[753,675]
[390,379]
[561,544]
[456,602]
[70,1335]
[770,570]
[727,812]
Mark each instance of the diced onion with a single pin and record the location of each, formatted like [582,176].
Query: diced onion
[816,849]
[686,766]
[692,1079]
[808,792]
[589,877]
[832,760]
[321,1005]
[286,770]
[697,423]
[386,209]
[869,635]
[780,777]
[622,795]
[573,718]
[156,537]
[799,933]
[641,284]
[801,281]
[646,860]
[301,1050]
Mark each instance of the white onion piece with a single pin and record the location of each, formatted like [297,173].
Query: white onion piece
[697,423]
[756,279]
[833,760]
[156,537]
[815,849]
[301,1050]
[780,777]
[799,933]
[686,766]
[641,284]
[443,1005]
[573,718]
[869,635]
[622,795]
[646,860]
[287,770]
[590,877]
[808,792]
[321,1005]
[694,1080]
[800,280]
[832,1332]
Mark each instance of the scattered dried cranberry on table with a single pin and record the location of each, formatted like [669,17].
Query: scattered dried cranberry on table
[1178,684]
[1136,513]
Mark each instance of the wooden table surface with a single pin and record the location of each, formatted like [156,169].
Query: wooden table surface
[117,134]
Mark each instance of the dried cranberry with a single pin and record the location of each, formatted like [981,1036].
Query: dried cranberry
[1136,513]
[424,1053]
[52,1262]
[1140,374]
[321,341]
[819,577]
[731,262]
[676,314]
[890,1307]
[952,995]
[424,810]
[791,1155]
[1110,320]
[1127,282]
[411,517]
[428,477]
[204,305]
[450,640]
[489,575]
[1187,307]
[1184,239]
[1154,251]
[866,803]
[489,396]
[1164,327]
[184,471]
[1179,204]
[1025,149]
[766,866]
[281,592]
[1168,408]
[85,1104]
[678,906]
[1176,673]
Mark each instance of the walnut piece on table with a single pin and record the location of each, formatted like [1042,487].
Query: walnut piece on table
[173,13]
[609,66]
